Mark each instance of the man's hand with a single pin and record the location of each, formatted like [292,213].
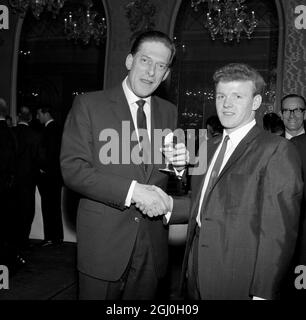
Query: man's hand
[150,201]
[178,155]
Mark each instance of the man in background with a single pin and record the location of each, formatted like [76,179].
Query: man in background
[8,154]
[293,115]
[26,174]
[50,179]
[300,254]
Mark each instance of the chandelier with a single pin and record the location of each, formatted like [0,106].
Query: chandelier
[37,6]
[227,18]
[82,25]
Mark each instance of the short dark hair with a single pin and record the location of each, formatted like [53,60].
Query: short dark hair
[292,95]
[25,114]
[240,72]
[273,123]
[47,109]
[157,36]
[3,108]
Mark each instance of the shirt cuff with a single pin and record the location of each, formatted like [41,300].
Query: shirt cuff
[179,173]
[167,216]
[129,196]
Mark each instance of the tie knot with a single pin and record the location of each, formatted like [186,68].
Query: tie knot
[140,103]
[226,138]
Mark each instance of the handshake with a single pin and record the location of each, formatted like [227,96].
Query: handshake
[151,200]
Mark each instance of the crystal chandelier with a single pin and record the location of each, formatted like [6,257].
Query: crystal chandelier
[82,25]
[227,18]
[37,6]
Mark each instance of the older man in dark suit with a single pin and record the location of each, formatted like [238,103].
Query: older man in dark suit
[245,211]
[122,252]
[300,143]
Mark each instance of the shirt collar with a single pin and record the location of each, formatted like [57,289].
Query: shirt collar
[131,96]
[22,122]
[237,135]
[49,121]
[289,136]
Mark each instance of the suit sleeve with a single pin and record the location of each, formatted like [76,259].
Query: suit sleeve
[77,164]
[280,200]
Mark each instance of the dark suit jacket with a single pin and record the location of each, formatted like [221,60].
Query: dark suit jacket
[27,154]
[50,151]
[300,143]
[250,221]
[106,229]
[8,149]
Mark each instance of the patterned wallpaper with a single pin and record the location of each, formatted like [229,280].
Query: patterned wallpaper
[294,77]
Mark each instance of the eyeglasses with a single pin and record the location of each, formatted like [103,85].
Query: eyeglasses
[297,112]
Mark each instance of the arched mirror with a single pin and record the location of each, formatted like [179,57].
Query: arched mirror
[53,69]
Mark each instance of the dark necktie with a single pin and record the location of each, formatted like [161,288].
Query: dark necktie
[215,170]
[218,163]
[143,133]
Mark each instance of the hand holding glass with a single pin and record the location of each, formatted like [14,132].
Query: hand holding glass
[167,150]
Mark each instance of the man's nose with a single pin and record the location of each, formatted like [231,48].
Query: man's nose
[291,115]
[151,69]
[227,102]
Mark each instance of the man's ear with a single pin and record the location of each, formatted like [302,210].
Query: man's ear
[129,61]
[166,74]
[280,114]
[256,102]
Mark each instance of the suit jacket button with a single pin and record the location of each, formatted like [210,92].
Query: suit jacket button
[136,219]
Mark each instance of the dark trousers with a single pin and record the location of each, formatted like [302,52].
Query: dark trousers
[139,281]
[192,278]
[25,211]
[50,189]
[8,231]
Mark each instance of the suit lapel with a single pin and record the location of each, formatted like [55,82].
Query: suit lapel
[212,146]
[121,107]
[239,151]
[211,149]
